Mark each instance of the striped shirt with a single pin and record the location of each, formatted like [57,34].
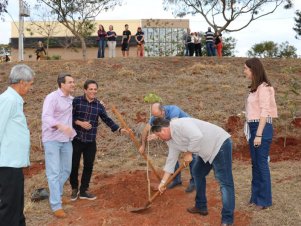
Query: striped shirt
[209,36]
[84,110]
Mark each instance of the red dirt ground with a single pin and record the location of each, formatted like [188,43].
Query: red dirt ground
[118,193]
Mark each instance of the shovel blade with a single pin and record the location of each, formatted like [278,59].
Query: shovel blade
[139,209]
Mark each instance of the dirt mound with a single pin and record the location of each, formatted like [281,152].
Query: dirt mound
[117,194]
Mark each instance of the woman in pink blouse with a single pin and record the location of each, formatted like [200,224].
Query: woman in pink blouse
[260,109]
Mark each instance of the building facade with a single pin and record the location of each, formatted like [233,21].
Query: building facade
[162,37]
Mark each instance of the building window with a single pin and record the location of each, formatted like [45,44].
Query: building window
[163,41]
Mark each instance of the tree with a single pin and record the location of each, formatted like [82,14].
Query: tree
[222,15]
[78,15]
[3,5]
[297,27]
[264,49]
[287,51]
[271,49]
[229,44]
[43,22]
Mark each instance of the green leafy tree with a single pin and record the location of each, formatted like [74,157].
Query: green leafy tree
[264,49]
[272,49]
[229,44]
[297,27]
[3,6]
[226,15]
[78,16]
[287,51]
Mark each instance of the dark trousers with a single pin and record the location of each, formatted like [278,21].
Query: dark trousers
[88,150]
[11,197]
[191,48]
[198,49]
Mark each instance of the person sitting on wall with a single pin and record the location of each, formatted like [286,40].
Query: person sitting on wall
[40,51]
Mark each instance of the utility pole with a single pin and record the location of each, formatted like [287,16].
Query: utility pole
[23,12]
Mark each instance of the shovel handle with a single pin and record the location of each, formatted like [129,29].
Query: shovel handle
[134,139]
[170,179]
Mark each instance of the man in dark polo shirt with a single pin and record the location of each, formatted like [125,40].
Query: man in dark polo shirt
[86,111]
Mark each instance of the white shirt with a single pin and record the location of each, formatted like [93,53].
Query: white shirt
[196,136]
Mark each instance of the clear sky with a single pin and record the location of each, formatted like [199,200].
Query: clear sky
[277,27]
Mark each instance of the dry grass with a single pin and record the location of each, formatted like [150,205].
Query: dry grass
[208,89]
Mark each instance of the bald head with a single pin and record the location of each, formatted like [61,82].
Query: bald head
[157,110]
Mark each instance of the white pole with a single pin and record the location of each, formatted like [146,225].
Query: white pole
[21,34]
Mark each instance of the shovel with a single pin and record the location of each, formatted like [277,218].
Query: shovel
[149,202]
[134,139]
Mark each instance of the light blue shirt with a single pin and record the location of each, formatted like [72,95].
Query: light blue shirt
[171,112]
[14,133]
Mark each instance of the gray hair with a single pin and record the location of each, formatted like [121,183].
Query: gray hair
[21,72]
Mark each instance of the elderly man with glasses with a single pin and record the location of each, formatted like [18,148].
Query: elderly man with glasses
[14,146]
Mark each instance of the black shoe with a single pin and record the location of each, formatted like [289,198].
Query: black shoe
[86,195]
[190,188]
[197,210]
[174,184]
[74,194]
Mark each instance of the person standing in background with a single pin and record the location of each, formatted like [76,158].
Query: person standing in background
[14,146]
[125,42]
[139,37]
[198,44]
[101,39]
[210,42]
[219,44]
[261,108]
[111,35]
[186,37]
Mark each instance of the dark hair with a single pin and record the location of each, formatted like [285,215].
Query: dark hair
[126,25]
[62,78]
[102,27]
[258,73]
[158,123]
[88,82]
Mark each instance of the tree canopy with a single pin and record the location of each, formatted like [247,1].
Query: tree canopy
[78,15]
[273,50]
[297,27]
[226,15]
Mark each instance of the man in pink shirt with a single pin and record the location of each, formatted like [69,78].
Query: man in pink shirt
[57,134]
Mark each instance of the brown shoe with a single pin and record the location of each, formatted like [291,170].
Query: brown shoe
[60,213]
[197,210]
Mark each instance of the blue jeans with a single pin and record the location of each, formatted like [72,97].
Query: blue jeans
[101,48]
[261,192]
[58,159]
[210,49]
[186,50]
[222,166]
[178,177]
